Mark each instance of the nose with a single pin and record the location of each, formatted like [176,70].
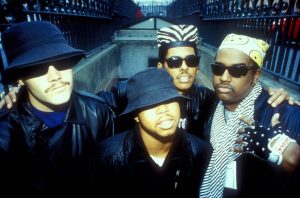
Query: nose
[183,66]
[53,74]
[225,77]
[162,109]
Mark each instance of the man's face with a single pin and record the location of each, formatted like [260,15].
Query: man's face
[185,75]
[232,90]
[50,87]
[159,122]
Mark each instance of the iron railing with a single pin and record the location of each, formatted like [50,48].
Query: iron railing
[275,21]
[86,24]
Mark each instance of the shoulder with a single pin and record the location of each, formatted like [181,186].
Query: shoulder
[201,89]
[92,101]
[113,145]
[89,97]
[201,93]
[284,109]
[197,144]
[289,115]
[113,151]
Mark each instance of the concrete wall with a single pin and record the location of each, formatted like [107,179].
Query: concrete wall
[136,47]
[134,57]
[98,71]
[129,53]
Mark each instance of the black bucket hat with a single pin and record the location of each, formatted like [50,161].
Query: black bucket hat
[30,44]
[150,87]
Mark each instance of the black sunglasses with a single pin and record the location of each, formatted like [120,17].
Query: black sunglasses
[176,61]
[236,70]
[42,69]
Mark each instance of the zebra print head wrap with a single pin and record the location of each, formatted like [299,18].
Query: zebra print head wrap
[177,35]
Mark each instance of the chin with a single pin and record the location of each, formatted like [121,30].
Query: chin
[60,99]
[185,87]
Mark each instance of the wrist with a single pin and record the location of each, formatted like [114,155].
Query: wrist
[275,158]
[278,143]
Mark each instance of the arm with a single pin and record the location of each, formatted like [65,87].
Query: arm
[105,121]
[280,95]
[10,98]
[291,157]
[116,99]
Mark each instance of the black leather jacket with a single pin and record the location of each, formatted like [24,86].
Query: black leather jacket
[193,113]
[35,158]
[198,109]
[128,169]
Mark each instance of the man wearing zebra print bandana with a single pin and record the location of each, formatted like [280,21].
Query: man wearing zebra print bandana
[178,54]
[259,159]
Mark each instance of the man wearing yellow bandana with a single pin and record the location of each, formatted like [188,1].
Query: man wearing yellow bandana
[256,147]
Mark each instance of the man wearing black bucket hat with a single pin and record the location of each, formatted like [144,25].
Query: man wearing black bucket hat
[49,138]
[155,159]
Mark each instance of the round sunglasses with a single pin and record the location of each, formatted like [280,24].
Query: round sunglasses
[176,61]
[236,70]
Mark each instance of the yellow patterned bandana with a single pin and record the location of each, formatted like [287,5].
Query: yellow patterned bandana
[255,48]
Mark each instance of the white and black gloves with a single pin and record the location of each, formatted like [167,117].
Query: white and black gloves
[267,143]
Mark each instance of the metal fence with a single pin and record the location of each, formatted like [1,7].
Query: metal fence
[86,24]
[275,21]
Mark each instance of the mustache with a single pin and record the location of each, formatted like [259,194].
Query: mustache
[221,85]
[184,74]
[56,84]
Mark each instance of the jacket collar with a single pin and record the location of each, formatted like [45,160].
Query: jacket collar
[74,113]
[138,151]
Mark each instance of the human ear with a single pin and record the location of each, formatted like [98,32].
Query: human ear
[256,76]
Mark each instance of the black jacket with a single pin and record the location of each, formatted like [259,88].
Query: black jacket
[128,169]
[193,113]
[197,110]
[38,159]
[260,178]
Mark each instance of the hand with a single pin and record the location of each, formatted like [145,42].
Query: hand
[280,95]
[265,143]
[10,98]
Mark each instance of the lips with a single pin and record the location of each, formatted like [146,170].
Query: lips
[165,123]
[224,89]
[57,87]
[184,78]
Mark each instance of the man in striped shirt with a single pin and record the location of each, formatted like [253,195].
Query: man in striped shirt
[256,147]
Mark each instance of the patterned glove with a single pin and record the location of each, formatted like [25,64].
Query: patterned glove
[266,143]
